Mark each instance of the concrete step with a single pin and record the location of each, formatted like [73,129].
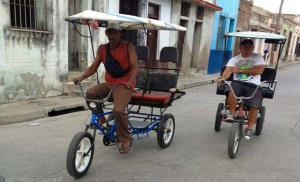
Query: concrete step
[71,89]
[73,74]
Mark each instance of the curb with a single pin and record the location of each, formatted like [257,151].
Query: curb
[196,84]
[40,108]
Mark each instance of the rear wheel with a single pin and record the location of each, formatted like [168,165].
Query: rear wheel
[260,120]
[80,154]
[219,116]
[234,140]
[165,130]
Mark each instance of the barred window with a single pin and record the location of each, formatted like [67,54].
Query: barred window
[29,15]
[221,32]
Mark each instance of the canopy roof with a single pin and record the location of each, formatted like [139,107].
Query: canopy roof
[257,35]
[128,22]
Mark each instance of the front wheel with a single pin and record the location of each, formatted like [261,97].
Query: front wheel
[165,130]
[80,154]
[260,121]
[234,140]
[219,116]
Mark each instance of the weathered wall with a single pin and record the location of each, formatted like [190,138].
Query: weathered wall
[33,65]
[204,51]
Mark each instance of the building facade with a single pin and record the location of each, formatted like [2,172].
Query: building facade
[243,21]
[224,21]
[33,49]
[41,53]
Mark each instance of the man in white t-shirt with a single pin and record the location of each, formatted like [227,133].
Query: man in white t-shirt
[247,68]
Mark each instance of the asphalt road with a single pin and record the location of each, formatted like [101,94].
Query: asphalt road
[31,152]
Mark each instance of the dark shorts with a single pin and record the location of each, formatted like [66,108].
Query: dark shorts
[246,90]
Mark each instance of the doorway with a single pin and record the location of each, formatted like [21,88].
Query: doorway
[153,13]
[74,38]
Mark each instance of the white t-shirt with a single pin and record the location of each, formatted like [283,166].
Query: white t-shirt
[246,63]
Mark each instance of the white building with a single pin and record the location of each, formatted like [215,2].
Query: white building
[40,51]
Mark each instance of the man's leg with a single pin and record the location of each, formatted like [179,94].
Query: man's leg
[254,103]
[122,97]
[252,116]
[98,92]
[231,101]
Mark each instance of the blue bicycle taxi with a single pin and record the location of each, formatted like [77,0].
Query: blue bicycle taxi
[155,91]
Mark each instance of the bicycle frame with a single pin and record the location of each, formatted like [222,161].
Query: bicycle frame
[96,115]
[240,118]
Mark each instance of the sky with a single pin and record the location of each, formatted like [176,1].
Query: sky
[289,6]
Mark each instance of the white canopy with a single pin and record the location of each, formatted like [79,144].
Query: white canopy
[128,22]
[257,35]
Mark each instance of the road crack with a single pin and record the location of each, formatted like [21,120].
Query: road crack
[293,130]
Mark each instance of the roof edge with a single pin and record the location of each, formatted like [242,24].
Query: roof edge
[209,5]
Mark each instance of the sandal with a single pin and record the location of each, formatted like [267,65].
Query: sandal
[124,149]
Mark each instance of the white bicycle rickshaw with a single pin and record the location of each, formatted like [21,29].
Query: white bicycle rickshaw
[267,87]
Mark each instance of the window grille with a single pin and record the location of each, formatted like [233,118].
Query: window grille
[29,15]
[221,31]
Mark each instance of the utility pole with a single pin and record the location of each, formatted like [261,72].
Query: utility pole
[276,30]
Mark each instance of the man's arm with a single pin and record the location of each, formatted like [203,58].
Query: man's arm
[91,69]
[225,75]
[256,70]
[133,64]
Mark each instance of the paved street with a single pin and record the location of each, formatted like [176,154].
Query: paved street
[32,152]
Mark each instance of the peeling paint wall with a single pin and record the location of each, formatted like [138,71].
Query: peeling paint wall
[196,47]
[204,51]
[33,65]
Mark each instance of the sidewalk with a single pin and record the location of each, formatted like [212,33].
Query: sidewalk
[40,108]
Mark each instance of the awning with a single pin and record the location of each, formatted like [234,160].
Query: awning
[209,5]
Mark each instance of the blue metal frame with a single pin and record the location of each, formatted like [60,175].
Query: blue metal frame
[152,125]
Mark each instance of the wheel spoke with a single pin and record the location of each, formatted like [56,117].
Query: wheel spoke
[82,155]
[236,141]
[168,130]
[78,161]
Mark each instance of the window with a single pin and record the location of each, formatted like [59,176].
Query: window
[29,15]
[185,9]
[200,13]
[221,32]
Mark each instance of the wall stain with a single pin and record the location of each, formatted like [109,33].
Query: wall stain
[2,82]
[34,83]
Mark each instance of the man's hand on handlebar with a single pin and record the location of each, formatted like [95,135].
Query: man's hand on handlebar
[76,81]
[128,86]
[220,80]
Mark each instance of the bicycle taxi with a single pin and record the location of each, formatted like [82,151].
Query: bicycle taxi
[267,87]
[155,91]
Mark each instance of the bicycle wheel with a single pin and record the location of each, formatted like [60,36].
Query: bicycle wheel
[80,154]
[234,140]
[219,116]
[260,120]
[165,130]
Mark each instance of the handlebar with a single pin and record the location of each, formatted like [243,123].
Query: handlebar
[242,97]
[99,100]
